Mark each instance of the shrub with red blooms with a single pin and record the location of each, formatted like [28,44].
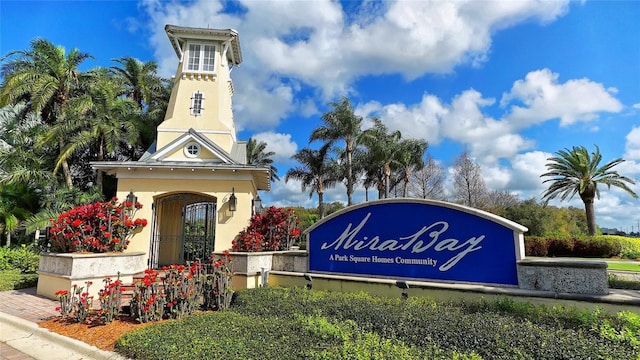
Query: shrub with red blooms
[274,229]
[147,303]
[182,290]
[216,283]
[97,228]
[76,303]
[110,299]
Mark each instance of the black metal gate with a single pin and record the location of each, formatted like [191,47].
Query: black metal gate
[184,229]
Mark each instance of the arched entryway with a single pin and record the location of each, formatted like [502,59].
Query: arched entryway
[183,229]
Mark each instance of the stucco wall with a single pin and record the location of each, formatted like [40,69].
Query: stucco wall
[228,223]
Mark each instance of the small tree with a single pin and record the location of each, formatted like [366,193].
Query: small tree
[575,171]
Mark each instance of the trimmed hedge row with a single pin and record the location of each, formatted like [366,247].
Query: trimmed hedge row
[589,247]
[292,323]
[230,335]
[491,331]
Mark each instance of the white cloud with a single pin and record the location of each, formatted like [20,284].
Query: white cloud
[636,106]
[313,42]
[281,144]
[545,99]
[527,169]
[420,121]
[632,146]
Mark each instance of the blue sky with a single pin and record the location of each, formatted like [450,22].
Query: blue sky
[509,81]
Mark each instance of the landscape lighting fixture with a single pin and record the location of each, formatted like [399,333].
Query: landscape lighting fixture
[404,286]
[309,280]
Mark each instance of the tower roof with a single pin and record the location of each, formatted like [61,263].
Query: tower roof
[179,34]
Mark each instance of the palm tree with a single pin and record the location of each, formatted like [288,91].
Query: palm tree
[17,202]
[104,122]
[140,79]
[576,171]
[341,124]
[314,173]
[257,156]
[384,148]
[21,161]
[409,158]
[46,76]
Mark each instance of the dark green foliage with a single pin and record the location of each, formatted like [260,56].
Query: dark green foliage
[493,332]
[617,282]
[560,246]
[230,335]
[276,323]
[22,258]
[588,247]
[597,247]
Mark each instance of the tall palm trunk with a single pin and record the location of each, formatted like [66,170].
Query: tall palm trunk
[65,167]
[349,175]
[321,204]
[591,217]
[387,179]
[588,196]
[100,157]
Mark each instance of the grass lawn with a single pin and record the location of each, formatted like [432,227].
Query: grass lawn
[623,265]
[14,280]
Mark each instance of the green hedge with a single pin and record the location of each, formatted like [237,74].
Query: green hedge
[15,280]
[23,258]
[589,247]
[275,323]
[230,335]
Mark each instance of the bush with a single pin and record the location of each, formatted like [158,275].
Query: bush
[617,282]
[454,327]
[15,280]
[598,247]
[275,323]
[535,246]
[98,227]
[23,258]
[560,246]
[230,335]
[274,229]
[591,247]
[630,247]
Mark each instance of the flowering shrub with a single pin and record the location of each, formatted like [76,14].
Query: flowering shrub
[274,229]
[147,303]
[216,287]
[76,303]
[98,227]
[182,290]
[110,299]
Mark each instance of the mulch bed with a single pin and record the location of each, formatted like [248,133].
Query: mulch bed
[94,332]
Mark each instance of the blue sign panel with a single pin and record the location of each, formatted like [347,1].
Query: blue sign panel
[416,240]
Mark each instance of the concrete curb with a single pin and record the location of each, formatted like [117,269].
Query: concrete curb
[41,343]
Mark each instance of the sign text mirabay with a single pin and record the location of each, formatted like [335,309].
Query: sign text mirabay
[413,243]
[416,239]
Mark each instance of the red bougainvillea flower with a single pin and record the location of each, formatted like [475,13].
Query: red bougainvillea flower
[97,227]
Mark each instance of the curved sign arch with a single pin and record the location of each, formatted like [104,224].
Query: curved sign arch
[417,239]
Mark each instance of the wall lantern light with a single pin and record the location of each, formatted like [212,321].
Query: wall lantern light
[132,198]
[257,205]
[233,201]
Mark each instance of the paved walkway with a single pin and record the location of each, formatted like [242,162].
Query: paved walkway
[22,339]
